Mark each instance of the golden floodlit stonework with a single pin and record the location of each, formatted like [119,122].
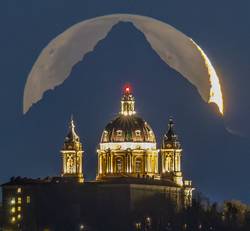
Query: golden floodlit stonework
[128,150]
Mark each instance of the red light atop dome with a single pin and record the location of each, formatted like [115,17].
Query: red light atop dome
[127,89]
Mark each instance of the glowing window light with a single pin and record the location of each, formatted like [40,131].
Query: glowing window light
[138,165]
[119,132]
[13,201]
[138,225]
[19,200]
[28,199]
[19,208]
[148,220]
[13,219]
[13,210]
[137,132]
[119,164]
[19,190]
[126,145]
[19,216]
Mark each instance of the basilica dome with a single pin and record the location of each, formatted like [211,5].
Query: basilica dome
[127,126]
[128,129]
[128,145]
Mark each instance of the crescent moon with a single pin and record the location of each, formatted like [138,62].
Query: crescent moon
[177,50]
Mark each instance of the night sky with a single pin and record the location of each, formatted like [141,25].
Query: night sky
[215,159]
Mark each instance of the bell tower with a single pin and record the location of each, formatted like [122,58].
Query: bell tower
[72,155]
[171,155]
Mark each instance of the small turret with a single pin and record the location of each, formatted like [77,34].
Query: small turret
[72,154]
[72,140]
[170,139]
[171,155]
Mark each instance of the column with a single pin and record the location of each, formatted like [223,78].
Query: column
[156,162]
[127,162]
[150,162]
[112,163]
[75,162]
[64,163]
[131,163]
[99,164]
[145,161]
[177,161]
[107,163]
[80,163]
[168,163]
[163,162]
[172,161]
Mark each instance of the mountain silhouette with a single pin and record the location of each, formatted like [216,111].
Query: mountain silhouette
[92,93]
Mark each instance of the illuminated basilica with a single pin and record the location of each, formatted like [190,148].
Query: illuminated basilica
[131,167]
[128,149]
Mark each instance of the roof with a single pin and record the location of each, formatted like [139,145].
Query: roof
[140,181]
[19,181]
[128,129]
[170,139]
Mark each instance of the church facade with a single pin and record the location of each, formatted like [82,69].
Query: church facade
[131,167]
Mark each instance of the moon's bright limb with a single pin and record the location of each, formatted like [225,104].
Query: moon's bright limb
[215,89]
[180,52]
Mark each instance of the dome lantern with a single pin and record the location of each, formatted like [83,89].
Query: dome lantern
[128,126]
[127,102]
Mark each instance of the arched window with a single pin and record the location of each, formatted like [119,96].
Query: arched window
[138,133]
[138,165]
[70,164]
[168,164]
[119,132]
[105,136]
[119,165]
